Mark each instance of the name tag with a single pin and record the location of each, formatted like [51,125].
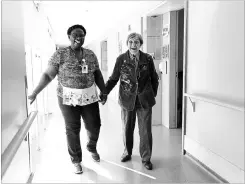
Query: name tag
[84,68]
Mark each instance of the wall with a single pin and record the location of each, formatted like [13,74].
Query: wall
[40,43]
[14,110]
[39,46]
[215,69]
[24,35]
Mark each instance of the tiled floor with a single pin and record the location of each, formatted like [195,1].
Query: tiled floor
[169,165]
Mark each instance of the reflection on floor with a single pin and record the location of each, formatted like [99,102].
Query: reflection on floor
[168,163]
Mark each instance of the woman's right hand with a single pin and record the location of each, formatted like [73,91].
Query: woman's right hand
[32,97]
[103,98]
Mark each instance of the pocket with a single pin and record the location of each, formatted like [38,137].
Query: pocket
[147,98]
[143,67]
[126,99]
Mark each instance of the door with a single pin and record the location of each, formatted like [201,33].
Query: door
[172,68]
[154,42]
[104,55]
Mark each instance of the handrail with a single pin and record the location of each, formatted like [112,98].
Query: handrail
[216,102]
[14,145]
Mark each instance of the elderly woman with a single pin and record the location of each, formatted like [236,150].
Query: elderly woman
[137,92]
[78,74]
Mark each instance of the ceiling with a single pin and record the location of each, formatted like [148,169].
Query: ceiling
[97,16]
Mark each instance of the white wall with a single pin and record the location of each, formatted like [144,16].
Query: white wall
[13,111]
[215,69]
[39,42]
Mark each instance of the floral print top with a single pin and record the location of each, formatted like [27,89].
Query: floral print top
[70,68]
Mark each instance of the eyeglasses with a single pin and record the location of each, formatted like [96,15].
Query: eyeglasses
[135,42]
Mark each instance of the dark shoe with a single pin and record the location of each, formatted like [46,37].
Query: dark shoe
[95,156]
[148,165]
[78,168]
[125,158]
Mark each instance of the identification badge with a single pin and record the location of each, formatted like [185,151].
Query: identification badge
[84,68]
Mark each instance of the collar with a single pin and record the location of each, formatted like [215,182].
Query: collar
[81,49]
[137,56]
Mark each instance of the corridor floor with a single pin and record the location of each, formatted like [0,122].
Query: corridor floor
[169,166]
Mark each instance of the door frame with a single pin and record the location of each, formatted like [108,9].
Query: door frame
[178,64]
[185,57]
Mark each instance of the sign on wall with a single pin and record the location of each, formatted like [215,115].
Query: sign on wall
[165,30]
[165,51]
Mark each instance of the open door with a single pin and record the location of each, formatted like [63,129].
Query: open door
[154,41]
[104,55]
[104,67]
[172,68]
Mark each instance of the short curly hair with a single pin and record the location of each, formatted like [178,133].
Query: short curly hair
[135,35]
[70,29]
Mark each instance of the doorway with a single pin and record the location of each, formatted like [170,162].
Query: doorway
[179,66]
[104,55]
[171,68]
[154,40]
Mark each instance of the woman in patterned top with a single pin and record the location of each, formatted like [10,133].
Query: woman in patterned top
[78,74]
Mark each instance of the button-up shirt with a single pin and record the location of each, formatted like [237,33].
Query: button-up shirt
[137,56]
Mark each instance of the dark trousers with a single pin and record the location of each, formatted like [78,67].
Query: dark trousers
[72,116]
[145,131]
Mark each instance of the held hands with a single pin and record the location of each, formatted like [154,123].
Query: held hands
[103,98]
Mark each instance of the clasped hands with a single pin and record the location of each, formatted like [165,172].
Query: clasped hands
[103,98]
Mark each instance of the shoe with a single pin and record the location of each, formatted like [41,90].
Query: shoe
[78,168]
[125,158]
[148,165]
[95,156]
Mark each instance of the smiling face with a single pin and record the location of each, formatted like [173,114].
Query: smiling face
[76,38]
[134,45]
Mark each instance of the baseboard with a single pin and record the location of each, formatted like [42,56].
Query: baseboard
[219,167]
[207,169]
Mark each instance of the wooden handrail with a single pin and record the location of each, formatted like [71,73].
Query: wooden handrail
[216,102]
[14,145]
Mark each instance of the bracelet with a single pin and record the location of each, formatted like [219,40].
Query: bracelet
[35,93]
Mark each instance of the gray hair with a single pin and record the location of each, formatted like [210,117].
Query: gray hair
[135,35]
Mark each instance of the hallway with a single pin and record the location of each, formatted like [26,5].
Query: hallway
[169,166]
[201,80]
